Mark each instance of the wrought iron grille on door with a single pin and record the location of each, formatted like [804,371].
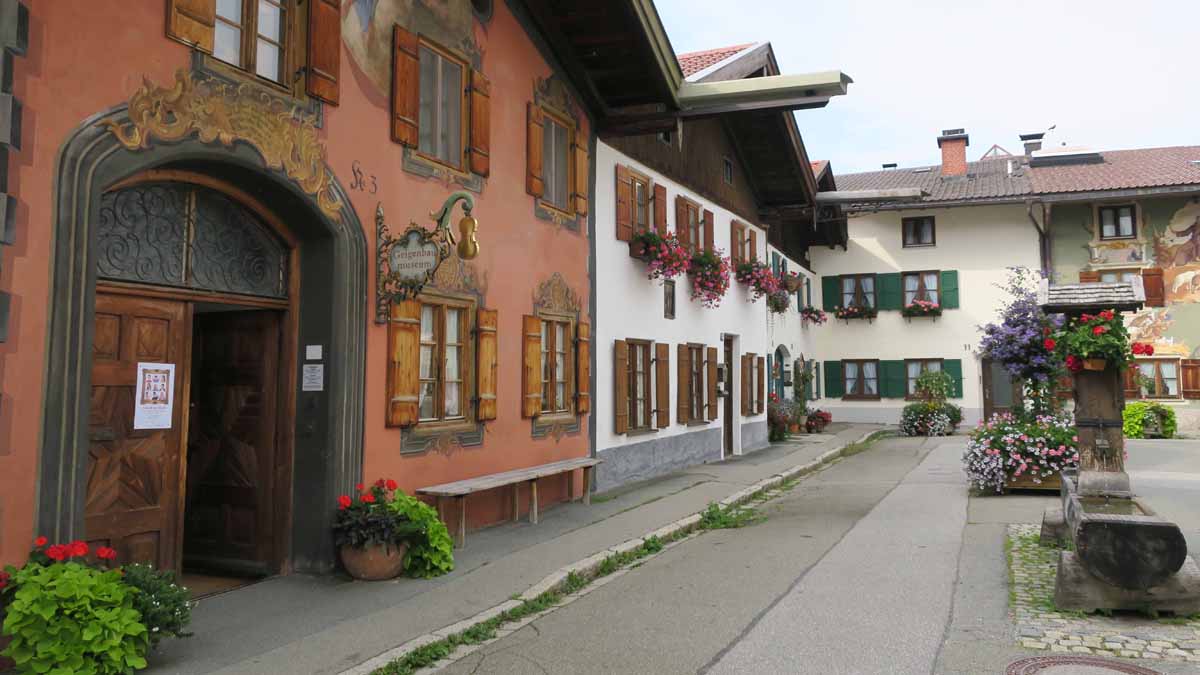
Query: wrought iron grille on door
[177,234]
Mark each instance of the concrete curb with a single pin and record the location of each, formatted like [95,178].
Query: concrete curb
[588,566]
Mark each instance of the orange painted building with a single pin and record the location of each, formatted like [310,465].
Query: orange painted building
[179,193]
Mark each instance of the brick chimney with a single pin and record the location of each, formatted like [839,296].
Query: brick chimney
[953,143]
[1033,142]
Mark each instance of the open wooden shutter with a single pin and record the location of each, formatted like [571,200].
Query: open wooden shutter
[531,374]
[620,387]
[710,372]
[684,369]
[624,203]
[949,289]
[1152,282]
[487,357]
[708,230]
[1130,383]
[831,293]
[406,87]
[762,386]
[579,191]
[735,250]
[404,353]
[479,150]
[888,291]
[324,49]
[835,381]
[753,245]
[808,380]
[681,221]
[662,385]
[1088,276]
[893,381]
[583,368]
[192,22]
[534,118]
[1189,378]
[660,209]
[953,368]
[744,372]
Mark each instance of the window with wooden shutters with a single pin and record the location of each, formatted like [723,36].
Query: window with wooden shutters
[444,330]
[921,286]
[1088,276]
[861,379]
[683,402]
[639,382]
[487,349]
[689,226]
[1118,276]
[324,49]
[740,243]
[662,385]
[440,120]
[556,162]
[913,368]
[403,384]
[858,290]
[253,35]
[1159,378]
[752,253]
[431,373]
[640,202]
[660,209]
[1117,222]
[710,373]
[697,392]
[556,350]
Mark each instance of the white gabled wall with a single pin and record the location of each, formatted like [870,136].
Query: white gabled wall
[628,305]
[980,242]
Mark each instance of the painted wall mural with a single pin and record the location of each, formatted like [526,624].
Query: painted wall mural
[367,35]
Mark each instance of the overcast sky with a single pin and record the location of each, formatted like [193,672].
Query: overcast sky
[1109,73]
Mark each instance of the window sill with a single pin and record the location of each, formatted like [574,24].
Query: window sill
[1129,238]
[561,416]
[699,423]
[919,246]
[647,431]
[435,427]
[861,398]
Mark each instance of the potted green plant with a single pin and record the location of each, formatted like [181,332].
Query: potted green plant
[799,413]
[817,421]
[372,538]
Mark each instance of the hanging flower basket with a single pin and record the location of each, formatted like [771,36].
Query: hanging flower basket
[759,277]
[855,312]
[1094,342]
[709,271]
[779,301]
[813,315]
[793,282]
[665,257]
[921,308]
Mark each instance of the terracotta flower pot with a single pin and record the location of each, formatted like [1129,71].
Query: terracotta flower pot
[794,428]
[1094,364]
[376,562]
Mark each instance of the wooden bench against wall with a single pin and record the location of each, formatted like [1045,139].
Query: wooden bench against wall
[460,490]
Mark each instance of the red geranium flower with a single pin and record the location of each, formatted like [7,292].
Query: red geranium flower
[391,484]
[359,487]
[1085,317]
[1050,344]
[78,549]
[106,553]
[368,498]
[380,483]
[57,552]
[1074,363]
[344,502]
[1107,315]
[1099,330]
[1148,350]
[39,542]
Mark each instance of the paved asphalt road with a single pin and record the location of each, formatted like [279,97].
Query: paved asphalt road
[876,565]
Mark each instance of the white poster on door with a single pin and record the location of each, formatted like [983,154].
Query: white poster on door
[154,399]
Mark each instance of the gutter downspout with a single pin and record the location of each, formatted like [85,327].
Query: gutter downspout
[1043,240]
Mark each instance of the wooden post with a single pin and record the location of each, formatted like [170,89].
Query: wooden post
[533,502]
[587,484]
[462,521]
[570,485]
[1099,398]
[516,502]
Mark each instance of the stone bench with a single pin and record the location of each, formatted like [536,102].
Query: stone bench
[461,489]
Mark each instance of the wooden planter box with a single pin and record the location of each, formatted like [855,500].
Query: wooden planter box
[1025,482]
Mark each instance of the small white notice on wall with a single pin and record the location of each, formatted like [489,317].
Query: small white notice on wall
[154,399]
[314,377]
[312,352]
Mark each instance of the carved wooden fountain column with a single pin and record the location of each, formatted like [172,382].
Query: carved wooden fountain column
[1099,399]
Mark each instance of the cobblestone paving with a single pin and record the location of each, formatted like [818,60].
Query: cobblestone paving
[1039,626]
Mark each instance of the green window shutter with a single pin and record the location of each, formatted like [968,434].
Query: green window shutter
[775,263]
[807,291]
[808,381]
[888,288]
[772,385]
[892,379]
[953,368]
[949,289]
[784,263]
[831,293]
[835,384]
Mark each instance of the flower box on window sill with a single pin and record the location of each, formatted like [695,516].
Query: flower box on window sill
[855,312]
[920,308]
[812,315]
[665,258]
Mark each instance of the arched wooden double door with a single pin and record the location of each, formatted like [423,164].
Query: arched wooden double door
[198,280]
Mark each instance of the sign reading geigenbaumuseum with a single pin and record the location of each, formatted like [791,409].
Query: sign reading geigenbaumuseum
[405,263]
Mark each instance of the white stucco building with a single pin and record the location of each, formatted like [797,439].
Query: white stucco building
[953,248]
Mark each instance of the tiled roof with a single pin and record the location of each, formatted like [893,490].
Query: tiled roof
[694,62]
[985,180]
[1122,169]
[1063,298]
